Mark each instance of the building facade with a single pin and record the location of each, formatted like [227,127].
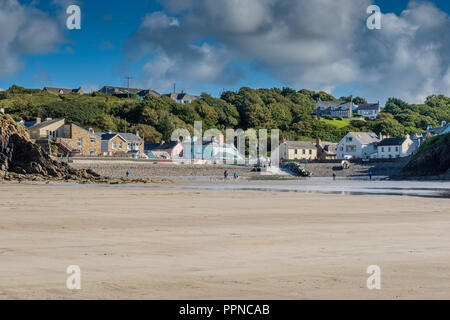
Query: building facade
[358,145]
[48,129]
[298,150]
[395,148]
[370,111]
[120,143]
[83,142]
[335,109]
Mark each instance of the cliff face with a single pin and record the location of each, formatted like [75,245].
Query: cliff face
[432,159]
[19,157]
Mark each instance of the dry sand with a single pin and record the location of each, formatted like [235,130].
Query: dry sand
[136,243]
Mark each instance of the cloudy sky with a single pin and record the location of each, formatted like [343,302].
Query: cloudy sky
[215,45]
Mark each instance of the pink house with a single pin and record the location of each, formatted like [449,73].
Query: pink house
[172,150]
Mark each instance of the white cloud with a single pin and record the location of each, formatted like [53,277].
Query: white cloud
[319,44]
[24,30]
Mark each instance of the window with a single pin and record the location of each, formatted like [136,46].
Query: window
[389,149]
[128,146]
[80,142]
[382,149]
[396,149]
[92,140]
[113,145]
[120,145]
[296,151]
[310,151]
[304,151]
[349,139]
[351,148]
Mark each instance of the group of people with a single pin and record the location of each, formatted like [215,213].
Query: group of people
[225,175]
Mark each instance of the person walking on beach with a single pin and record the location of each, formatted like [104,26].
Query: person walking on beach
[236,176]
[127,173]
[370,175]
[334,176]
[225,175]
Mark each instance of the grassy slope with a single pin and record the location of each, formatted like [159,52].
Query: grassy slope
[338,123]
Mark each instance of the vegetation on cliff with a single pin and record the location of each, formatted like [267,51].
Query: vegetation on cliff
[286,109]
[432,159]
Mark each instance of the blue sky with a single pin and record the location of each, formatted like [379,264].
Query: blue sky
[205,48]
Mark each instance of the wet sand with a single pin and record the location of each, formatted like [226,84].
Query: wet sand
[147,243]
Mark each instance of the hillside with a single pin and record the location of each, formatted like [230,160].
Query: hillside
[432,160]
[155,118]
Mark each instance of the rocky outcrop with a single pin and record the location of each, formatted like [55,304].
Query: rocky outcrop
[21,159]
[431,161]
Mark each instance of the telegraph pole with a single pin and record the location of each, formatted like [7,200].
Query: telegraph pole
[128,79]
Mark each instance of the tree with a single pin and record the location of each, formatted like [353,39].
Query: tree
[149,133]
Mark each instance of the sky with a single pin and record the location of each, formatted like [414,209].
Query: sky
[216,45]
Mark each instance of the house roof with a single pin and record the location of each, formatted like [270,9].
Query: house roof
[131,137]
[121,89]
[44,124]
[181,96]
[161,147]
[106,135]
[300,145]
[63,90]
[30,124]
[128,137]
[440,130]
[329,104]
[365,137]
[392,142]
[369,106]
[149,92]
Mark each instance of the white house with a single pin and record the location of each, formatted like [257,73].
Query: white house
[370,111]
[395,148]
[356,145]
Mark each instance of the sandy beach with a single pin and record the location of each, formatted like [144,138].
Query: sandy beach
[152,243]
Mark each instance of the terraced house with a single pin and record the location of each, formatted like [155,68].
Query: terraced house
[298,150]
[121,143]
[79,141]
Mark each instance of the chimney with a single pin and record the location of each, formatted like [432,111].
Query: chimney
[38,120]
[221,139]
